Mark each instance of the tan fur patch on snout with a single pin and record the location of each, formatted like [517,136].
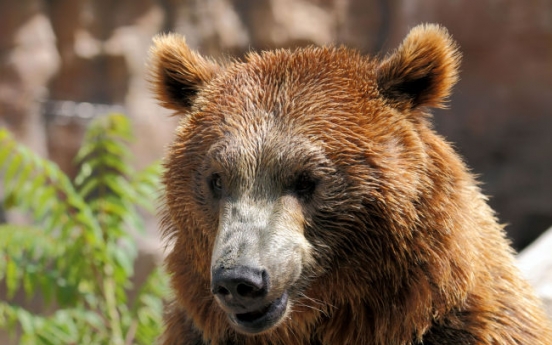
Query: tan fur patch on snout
[264,235]
[290,224]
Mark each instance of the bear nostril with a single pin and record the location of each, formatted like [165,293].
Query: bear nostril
[245,290]
[221,290]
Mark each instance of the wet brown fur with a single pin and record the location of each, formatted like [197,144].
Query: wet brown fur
[407,250]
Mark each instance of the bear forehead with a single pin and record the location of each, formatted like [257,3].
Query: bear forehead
[326,96]
[300,83]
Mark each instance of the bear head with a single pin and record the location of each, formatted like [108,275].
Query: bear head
[307,186]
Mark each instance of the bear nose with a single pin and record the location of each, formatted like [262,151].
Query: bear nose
[239,285]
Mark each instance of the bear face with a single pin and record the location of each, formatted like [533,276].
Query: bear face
[308,200]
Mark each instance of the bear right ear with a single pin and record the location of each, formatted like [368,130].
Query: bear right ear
[178,73]
[422,71]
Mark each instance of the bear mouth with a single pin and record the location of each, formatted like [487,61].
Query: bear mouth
[261,319]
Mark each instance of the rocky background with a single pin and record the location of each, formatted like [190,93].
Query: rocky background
[65,61]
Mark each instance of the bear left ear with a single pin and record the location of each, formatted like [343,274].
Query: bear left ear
[177,73]
[422,71]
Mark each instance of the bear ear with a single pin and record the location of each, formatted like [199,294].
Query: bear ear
[422,71]
[177,73]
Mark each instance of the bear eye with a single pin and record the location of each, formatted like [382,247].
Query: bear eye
[216,184]
[304,186]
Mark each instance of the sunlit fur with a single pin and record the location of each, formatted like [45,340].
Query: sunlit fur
[401,245]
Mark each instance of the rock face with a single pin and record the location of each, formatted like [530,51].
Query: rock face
[535,263]
[28,60]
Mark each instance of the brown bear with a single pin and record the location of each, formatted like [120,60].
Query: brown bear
[309,201]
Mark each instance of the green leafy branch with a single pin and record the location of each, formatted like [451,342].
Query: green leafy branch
[79,250]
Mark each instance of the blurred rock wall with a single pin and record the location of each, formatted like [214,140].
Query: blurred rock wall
[535,262]
[95,52]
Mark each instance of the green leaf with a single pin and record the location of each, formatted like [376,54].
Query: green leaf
[86,149]
[91,229]
[66,294]
[88,187]
[47,283]
[65,184]
[25,320]
[29,283]
[46,339]
[94,320]
[37,183]
[120,186]
[13,167]
[57,218]
[135,222]
[52,171]
[110,162]
[115,148]
[61,328]
[114,207]
[84,173]
[12,278]
[6,148]
[44,201]
[125,259]
[120,126]
[25,169]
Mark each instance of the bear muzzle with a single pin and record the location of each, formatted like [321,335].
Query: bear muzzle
[256,262]
[243,293]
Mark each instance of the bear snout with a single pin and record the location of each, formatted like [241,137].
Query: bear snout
[240,288]
[256,259]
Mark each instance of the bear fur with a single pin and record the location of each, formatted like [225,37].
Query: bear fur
[309,201]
